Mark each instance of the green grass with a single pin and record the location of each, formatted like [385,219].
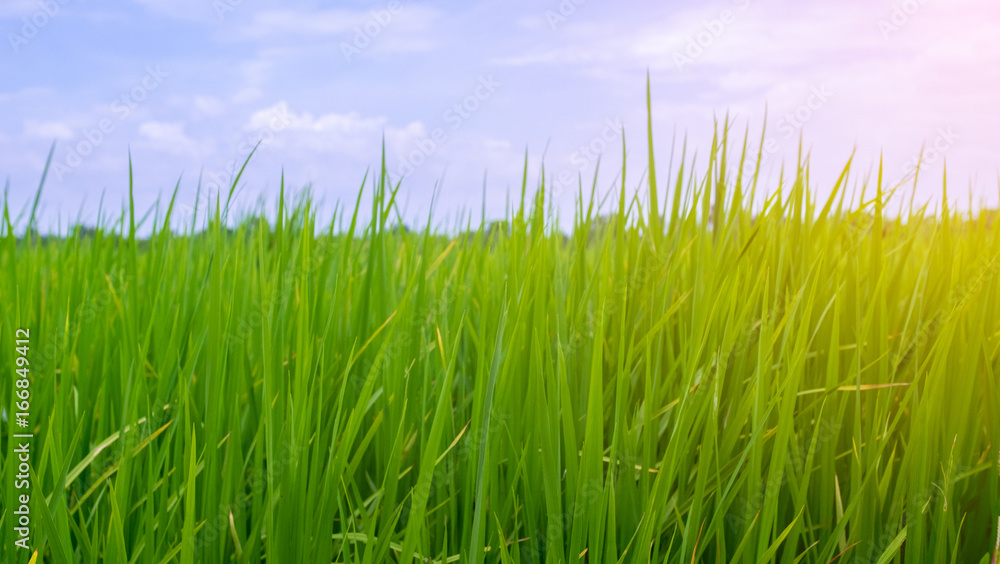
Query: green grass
[683,378]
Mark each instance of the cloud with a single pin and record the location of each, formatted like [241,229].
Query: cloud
[291,22]
[169,137]
[755,35]
[256,71]
[48,129]
[531,22]
[247,95]
[561,56]
[394,15]
[293,35]
[195,10]
[19,8]
[500,150]
[102,17]
[349,134]
[209,105]
[501,145]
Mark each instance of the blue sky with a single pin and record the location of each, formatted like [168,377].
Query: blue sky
[463,89]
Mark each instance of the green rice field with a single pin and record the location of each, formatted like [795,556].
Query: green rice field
[703,366]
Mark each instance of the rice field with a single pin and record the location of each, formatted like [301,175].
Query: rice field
[674,374]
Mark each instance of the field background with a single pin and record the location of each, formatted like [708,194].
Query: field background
[668,376]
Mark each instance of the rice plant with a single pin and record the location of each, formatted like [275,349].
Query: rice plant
[676,374]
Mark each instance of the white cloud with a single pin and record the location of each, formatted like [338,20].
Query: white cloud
[407,17]
[247,95]
[276,22]
[492,144]
[48,129]
[107,16]
[348,134]
[497,150]
[532,22]
[19,8]
[256,71]
[209,105]
[575,55]
[761,36]
[404,44]
[196,10]
[169,137]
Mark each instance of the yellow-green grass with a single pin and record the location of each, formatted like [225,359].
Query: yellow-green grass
[684,378]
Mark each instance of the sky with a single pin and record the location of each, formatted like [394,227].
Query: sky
[460,93]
